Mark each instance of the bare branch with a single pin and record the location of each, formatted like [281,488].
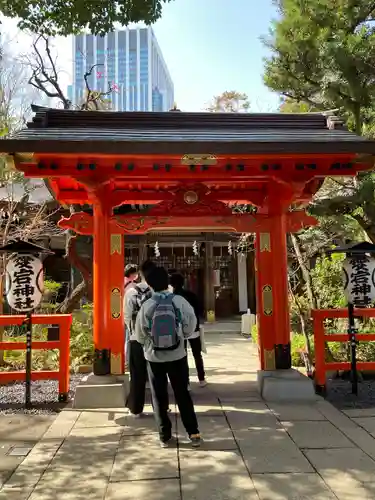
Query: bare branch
[88,74]
[44,74]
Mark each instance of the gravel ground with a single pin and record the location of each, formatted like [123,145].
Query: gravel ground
[339,393]
[44,394]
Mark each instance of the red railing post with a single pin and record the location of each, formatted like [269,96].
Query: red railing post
[64,372]
[320,368]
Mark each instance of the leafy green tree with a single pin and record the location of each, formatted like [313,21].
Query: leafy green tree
[352,199]
[288,105]
[327,281]
[68,17]
[230,102]
[323,54]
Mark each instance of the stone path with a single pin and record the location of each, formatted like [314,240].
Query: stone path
[252,451]
[18,435]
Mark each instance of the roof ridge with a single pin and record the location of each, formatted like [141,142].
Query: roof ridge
[56,118]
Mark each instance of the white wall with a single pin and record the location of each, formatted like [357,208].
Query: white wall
[242,283]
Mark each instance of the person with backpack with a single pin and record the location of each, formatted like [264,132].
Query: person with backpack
[131,276]
[163,322]
[177,283]
[135,296]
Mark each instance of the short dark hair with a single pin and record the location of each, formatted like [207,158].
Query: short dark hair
[130,269]
[177,280]
[158,279]
[146,267]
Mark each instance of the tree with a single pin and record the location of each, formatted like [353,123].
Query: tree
[72,16]
[288,105]
[15,97]
[20,218]
[45,77]
[323,54]
[229,102]
[353,199]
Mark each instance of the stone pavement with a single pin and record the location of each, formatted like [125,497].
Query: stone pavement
[18,435]
[252,450]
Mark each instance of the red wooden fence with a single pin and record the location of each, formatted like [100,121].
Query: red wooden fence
[321,337]
[62,375]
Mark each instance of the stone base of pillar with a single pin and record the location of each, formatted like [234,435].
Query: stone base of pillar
[95,391]
[286,386]
[102,362]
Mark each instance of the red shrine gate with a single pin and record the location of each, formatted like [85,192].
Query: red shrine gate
[189,166]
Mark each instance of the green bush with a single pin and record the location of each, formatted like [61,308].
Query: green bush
[81,345]
[298,344]
[327,281]
[81,337]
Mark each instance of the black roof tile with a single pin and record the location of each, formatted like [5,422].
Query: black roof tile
[132,133]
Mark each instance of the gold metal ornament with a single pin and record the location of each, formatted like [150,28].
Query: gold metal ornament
[265,242]
[267,300]
[116,243]
[190,197]
[269,359]
[199,160]
[116,303]
[116,368]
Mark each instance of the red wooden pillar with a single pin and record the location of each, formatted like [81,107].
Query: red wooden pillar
[101,237]
[116,291]
[265,308]
[272,296]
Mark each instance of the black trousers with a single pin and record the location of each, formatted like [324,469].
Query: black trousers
[138,378]
[177,371]
[196,349]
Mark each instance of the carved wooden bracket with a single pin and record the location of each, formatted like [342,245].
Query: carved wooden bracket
[79,222]
[190,201]
[82,223]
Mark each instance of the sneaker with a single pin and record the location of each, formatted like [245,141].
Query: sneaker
[167,444]
[195,440]
[136,415]
[203,383]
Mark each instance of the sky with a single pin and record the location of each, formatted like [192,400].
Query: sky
[214,45]
[208,46]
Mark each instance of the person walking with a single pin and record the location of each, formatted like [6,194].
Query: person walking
[177,283]
[131,276]
[133,300]
[162,323]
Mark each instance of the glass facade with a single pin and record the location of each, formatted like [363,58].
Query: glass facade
[100,61]
[132,62]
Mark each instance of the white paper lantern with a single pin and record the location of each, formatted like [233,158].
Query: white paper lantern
[24,282]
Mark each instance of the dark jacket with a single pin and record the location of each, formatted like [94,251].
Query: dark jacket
[193,300]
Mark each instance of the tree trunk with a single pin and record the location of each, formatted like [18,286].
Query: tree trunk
[314,303]
[358,122]
[305,273]
[71,301]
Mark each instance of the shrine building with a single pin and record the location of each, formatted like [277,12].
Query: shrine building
[191,171]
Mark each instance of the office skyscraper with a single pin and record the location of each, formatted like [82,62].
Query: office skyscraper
[130,60]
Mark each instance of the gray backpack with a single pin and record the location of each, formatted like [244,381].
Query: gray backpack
[165,324]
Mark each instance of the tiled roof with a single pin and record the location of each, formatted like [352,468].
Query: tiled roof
[61,131]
